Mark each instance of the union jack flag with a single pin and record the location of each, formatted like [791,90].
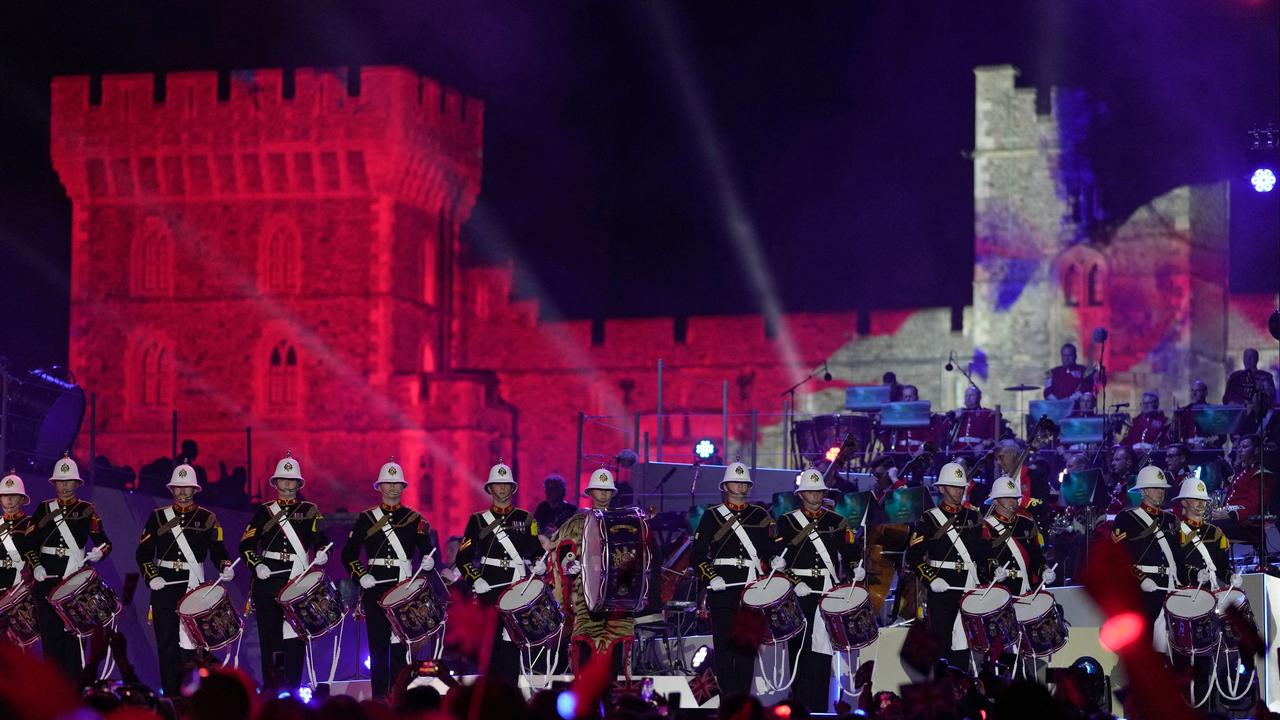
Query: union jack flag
[703,686]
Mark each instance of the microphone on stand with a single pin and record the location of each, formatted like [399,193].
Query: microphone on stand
[1117,406]
[826,373]
[1100,335]
[951,356]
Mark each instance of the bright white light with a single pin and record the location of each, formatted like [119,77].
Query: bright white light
[304,694]
[704,449]
[567,705]
[1263,180]
[700,656]
[367,662]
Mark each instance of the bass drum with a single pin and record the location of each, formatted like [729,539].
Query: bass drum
[616,564]
[45,412]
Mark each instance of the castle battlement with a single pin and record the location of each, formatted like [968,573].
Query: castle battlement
[394,131]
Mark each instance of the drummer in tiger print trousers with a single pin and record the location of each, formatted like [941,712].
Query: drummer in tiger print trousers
[496,548]
[64,527]
[732,544]
[176,541]
[817,546]
[598,632]
[946,551]
[390,535]
[276,545]
[1148,533]
[16,531]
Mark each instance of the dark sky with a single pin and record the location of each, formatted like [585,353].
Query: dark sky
[843,127]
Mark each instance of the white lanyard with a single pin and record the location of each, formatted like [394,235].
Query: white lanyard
[396,547]
[499,532]
[1204,551]
[741,532]
[819,546]
[12,549]
[1015,549]
[195,570]
[1164,547]
[75,553]
[299,553]
[971,579]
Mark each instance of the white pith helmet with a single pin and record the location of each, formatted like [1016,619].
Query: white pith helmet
[11,484]
[391,472]
[66,469]
[1005,487]
[952,475]
[183,476]
[736,472]
[601,479]
[288,469]
[1151,477]
[500,474]
[1192,489]
[808,480]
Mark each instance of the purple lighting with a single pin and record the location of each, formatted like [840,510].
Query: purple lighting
[1263,180]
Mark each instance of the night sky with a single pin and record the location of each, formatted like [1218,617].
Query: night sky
[843,128]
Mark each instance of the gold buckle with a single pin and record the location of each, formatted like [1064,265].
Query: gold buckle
[61,552]
[506,563]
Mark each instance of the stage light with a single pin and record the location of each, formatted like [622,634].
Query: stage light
[567,705]
[304,694]
[700,657]
[1120,631]
[832,453]
[704,449]
[283,694]
[782,711]
[1263,180]
[368,662]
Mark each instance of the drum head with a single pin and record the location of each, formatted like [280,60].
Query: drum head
[766,592]
[1189,603]
[986,601]
[841,600]
[402,592]
[521,594]
[1235,596]
[72,584]
[200,599]
[1029,607]
[301,585]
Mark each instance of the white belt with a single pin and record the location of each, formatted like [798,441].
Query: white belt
[497,562]
[388,562]
[172,564]
[968,439]
[816,572]
[947,565]
[59,551]
[279,555]
[1154,569]
[736,562]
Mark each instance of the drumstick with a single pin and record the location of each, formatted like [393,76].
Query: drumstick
[415,572]
[528,585]
[993,584]
[772,570]
[218,582]
[1042,582]
[324,550]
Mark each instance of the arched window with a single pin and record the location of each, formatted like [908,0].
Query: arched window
[1095,286]
[282,256]
[1071,286]
[153,259]
[282,377]
[155,373]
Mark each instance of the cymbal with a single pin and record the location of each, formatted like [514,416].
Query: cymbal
[1022,388]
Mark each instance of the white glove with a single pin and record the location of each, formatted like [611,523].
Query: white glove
[938,585]
[428,563]
[540,567]
[1236,580]
[156,583]
[262,571]
[1049,576]
[228,574]
[802,589]
[1001,574]
[40,574]
[450,575]
[367,582]
[717,583]
[859,574]
[322,557]
[94,555]
[573,568]
[777,563]
[1149,585]
[1204,576]
[481,586]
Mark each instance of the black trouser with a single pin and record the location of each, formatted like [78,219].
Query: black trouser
[734,659]
[386,659]
[175,662]
[943,608]
[504,659]
[59,646]
[271,639]
[812,684]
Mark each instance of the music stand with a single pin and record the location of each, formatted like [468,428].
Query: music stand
[866,397]
[1078,487]
[783,503]
[853,507]
[1081,430]
[1214,420]
[906,505]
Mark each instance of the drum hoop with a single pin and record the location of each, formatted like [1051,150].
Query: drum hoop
[839,593]
[297,582]
[85,572]
[980,595]
[520,588]
[763,583]
[389,605]
[208,588]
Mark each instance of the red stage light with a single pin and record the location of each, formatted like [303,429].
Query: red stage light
[782,711]
[1119,632]
[833,453]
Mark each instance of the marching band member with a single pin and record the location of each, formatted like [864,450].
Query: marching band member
[175,542]
[16,531]
[601,630]
[276,545]
[64,527]
[390,535]
[945,549]
[818,545]
[1250,487]
[1203,547]
[494,552]
[1148,533]
[1150,427]
[730,544]
[1016,558]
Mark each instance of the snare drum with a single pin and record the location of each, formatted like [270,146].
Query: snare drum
[414,609]
[18,615]
[1044,631]
[529,612]
[1194,627]
[311,604]
[989,620]
[84,602]
[615,560]
[1235,596]
[209,618]
[849,617]
[775,598]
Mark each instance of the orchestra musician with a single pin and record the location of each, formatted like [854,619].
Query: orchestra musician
[1148,533]
[1086,406]
[1186,419]
[1150,427]
[1176,462]
[1110,496]
[1251,490]
[910,439]
[972,426]
[1070,378]
[1242,383]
